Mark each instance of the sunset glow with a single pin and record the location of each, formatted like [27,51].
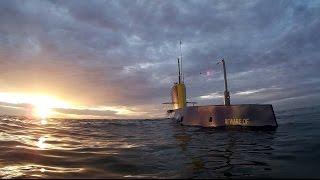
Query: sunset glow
[42,111]
[44,106]
[41,105]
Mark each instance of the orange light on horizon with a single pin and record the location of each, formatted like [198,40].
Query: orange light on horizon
[45,106]
[42,105]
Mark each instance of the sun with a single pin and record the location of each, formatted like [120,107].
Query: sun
[44,105]
[42,111]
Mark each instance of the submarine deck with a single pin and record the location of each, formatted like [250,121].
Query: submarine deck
[253,115]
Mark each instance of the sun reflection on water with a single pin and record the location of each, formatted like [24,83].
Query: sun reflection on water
[16,171]
[43,121]
[42,170]
[37,138]
[33,170]
[41,142]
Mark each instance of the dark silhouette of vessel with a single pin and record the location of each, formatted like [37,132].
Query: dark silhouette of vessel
[248,115]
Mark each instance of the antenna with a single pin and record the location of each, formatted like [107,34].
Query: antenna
[226,92]
[181,61]
[179,73]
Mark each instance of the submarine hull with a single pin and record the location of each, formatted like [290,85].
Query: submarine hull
[248,115]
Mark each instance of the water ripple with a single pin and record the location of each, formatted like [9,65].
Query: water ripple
[60,148]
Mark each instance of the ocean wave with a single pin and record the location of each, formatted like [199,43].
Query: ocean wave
[62,148]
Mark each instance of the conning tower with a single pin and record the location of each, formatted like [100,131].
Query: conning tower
[178,91]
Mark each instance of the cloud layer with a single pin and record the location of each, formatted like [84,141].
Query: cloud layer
[123,53]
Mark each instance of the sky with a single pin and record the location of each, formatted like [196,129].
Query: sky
[117,59]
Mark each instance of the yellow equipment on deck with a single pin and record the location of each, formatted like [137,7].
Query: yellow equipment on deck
[178,95]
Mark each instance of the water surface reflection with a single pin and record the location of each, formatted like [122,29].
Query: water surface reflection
[58,148]
[226,152]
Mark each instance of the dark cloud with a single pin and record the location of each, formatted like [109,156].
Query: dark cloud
[102,113]
[123,53]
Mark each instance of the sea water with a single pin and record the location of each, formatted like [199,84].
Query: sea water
[160,148]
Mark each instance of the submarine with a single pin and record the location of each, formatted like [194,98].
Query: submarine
[224,115]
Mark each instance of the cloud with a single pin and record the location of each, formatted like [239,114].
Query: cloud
[254,91]
[214,95]
[72,111]
[123,53]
